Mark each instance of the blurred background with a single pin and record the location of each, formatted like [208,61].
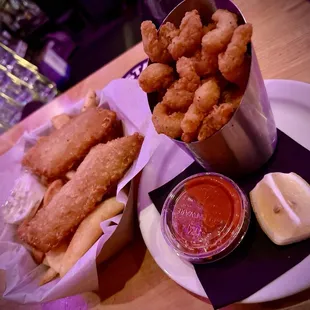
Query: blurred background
[48,46]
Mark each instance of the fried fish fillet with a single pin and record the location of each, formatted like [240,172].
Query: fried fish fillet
[54,155]
[105,165]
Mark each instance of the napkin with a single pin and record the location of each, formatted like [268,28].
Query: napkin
[257,261]
[21,274]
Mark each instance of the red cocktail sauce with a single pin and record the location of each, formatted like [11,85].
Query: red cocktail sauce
[206,213]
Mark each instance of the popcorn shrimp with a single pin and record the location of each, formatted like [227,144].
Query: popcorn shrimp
[234,64]
[232,95]
[156,77]
[189,37]
[167,32]
[168,124]
[180,95]
[206,96]
[153,46]
[215,41]
[205,63]
[215,120]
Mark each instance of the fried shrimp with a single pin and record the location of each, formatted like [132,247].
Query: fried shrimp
[168,124]
[153,46]
[189,37]
[205,63]
[215,120]
[216,41]
[234,64]
[208,28]
[191,122]
[167,32]
[232,95]
[206,96]
[156,77]
[180,95]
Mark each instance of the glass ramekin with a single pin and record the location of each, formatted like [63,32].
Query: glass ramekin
[210,229]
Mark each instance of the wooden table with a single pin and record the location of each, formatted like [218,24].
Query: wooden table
[133,280]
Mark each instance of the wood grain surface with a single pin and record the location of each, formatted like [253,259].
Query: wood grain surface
[132,280]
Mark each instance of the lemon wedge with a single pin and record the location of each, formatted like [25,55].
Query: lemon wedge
[281,203]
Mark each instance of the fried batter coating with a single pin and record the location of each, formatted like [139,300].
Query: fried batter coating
[208,28]
[215,120]
[167,123]
[216,41]
[104,165]
[52,156]
[167,32]
[205,63]
[234,64]
[91,100]
[189,38]
[180,95]
[206,96]
[153,47]
[156,77]
[216,38]
[156,44]
[232,95]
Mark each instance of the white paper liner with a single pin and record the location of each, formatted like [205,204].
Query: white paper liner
[22,274]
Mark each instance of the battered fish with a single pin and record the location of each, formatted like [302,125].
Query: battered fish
[54,155]
[105,164]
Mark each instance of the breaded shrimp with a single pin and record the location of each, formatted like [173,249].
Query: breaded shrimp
[155,48]
[234,64]
[156,77]
[167,32]
[177,99]
[206,96]
[189,37]
[180,95]
[232,95]
[205,63]
[189,137]
[208,28]
[216,41]
[166,123]
[191,122]
[215,120]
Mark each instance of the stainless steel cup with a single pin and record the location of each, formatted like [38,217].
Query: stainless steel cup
[248,140]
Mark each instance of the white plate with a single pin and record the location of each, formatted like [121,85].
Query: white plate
[291,107]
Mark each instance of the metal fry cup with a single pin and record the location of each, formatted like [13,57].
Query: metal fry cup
[249,139]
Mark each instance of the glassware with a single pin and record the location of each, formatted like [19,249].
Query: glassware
[205,217]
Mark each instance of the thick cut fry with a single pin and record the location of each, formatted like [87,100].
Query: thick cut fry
[70,174]
[54,257]
[51,191]
[55,154]
[60,120]
[48,276]
[37,256]
[88,232]
[91,100]
[105,165]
